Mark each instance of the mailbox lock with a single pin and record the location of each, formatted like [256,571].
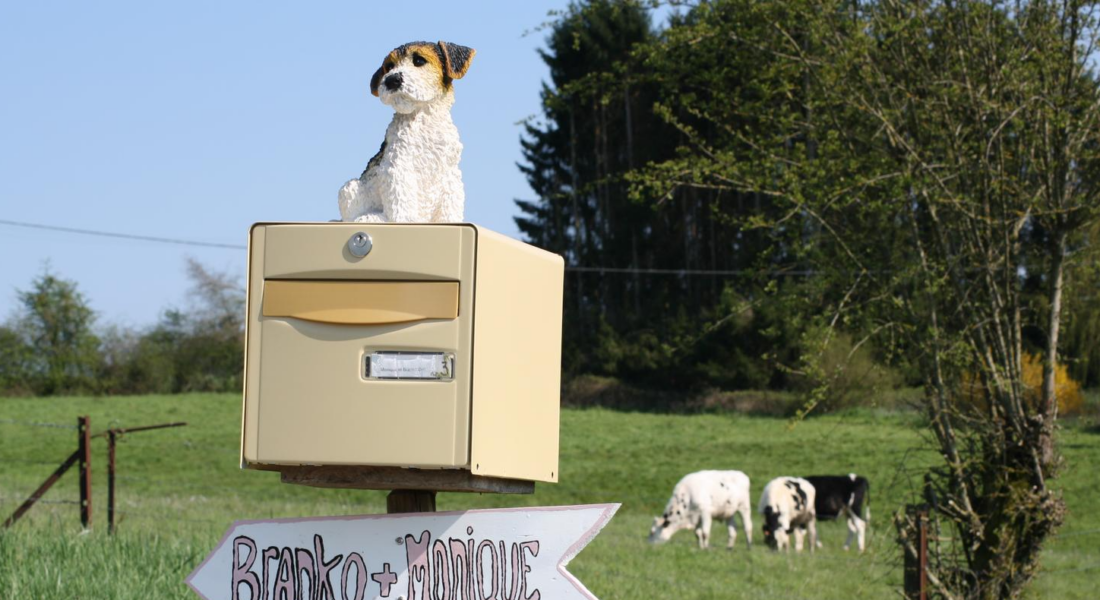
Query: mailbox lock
[360,244]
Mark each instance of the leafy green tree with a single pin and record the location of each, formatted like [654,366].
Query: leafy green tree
[1082,311]
[15,358]
[654,290]
[210,354]
[199,348]
[1082,331]
[923,161]
[56,324]
[589,135]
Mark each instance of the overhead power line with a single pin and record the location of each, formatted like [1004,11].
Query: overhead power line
[125,236]
[180,242]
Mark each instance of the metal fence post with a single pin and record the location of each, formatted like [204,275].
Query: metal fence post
[113,436]
[41,491]
[84,449]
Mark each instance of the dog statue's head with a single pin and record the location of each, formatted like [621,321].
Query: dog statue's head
[419,73]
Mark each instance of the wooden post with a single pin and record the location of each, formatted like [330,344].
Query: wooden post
[409,501]
[923,549]
[111,437]
[916,567]
[84,449]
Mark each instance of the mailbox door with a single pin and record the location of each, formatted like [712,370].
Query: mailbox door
[317,314]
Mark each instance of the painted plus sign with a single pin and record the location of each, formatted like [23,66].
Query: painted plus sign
[385,578]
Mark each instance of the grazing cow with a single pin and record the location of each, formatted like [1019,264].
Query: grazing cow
[844,495]
[700,497]
[788,506]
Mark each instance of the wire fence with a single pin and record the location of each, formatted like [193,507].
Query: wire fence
[25,461]
[21,499]
[36,424]
[159,516]
[877,566]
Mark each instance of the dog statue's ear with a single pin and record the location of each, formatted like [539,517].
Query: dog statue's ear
[375,81]
[456,59]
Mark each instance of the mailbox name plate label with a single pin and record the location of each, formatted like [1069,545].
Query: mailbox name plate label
[418,366]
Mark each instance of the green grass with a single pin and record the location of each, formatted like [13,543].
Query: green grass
[180,489]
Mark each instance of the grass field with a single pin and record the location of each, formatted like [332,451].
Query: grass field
[180,489]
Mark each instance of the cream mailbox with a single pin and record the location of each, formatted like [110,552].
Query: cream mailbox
[434,346]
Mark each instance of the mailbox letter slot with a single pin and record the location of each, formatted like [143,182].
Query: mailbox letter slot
[360,302]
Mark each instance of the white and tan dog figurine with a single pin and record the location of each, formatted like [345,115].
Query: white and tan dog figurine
[414,178]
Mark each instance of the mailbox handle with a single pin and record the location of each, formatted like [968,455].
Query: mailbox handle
[360,302]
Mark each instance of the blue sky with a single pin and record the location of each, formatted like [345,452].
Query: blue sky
[194,120]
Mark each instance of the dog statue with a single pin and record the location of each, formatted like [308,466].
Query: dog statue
[414,178]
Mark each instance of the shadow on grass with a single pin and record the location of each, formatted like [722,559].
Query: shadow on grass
[604,392]
[1093,429]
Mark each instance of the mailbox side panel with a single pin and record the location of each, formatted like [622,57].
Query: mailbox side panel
[516,396]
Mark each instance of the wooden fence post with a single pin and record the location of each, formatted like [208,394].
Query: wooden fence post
[916,566]
[111,481]
[84,449]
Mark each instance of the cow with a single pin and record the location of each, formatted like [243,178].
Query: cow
[701,497]
[844,495]
[788,506]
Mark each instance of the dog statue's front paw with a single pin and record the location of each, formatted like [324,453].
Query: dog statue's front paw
[349,200]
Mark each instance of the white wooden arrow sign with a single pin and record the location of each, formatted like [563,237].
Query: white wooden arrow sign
[502,554]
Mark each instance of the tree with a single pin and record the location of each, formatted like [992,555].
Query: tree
[571,162]
[654,292]
[218,301]
[56,325]
[196,349]
[923,160]
[1082,313]
[200,348]
[15,357]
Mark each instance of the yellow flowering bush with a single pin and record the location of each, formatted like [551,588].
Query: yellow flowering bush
[1066,390]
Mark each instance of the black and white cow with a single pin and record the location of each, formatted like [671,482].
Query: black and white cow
[846,495]
[701,497]
[788,507]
